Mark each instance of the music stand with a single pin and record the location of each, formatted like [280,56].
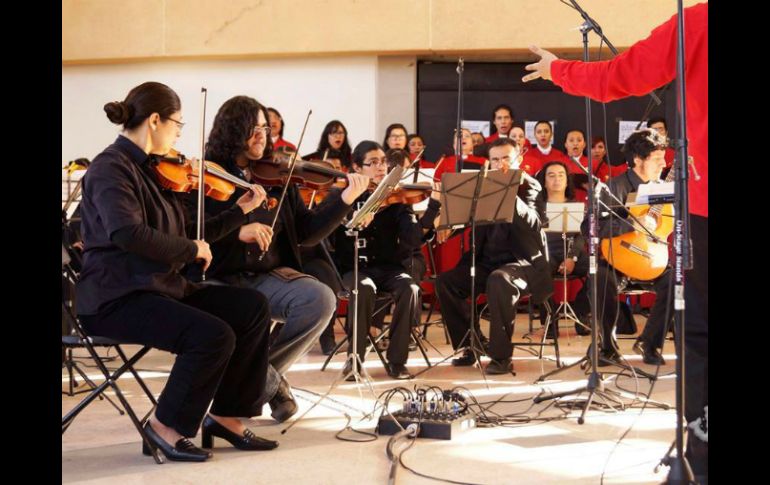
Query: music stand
[471,199]
[354,226]
[565,218]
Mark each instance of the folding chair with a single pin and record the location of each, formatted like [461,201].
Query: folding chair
[382,303]
[90,342]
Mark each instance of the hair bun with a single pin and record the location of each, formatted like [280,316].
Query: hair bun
[118,112]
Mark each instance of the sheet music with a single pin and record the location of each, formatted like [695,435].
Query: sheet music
[653,193]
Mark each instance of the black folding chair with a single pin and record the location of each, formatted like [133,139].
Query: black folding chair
[90,343]
[383,302]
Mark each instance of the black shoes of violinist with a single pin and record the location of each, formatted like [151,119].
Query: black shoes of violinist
[183,450]
[283,405]
[247,441]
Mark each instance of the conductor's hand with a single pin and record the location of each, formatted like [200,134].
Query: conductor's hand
[542,67]
[204,253]
[357,184]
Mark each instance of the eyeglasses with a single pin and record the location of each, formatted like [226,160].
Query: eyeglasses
[340,132]
[397,137]
[265,130]
[506,160]
[178,123]
[377,162]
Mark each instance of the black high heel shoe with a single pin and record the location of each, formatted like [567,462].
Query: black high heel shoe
[247,441]
[183,450]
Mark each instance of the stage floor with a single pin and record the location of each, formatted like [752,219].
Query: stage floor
[103,447]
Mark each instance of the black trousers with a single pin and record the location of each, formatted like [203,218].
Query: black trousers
[609,308]
[696,334]
[503,286]
[405,291]
[696,325]
[220,336]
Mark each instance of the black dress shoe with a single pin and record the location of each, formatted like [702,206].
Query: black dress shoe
[650,355]
[500,366]
[327,344]
[398,371]
[609,357]
[467,359]
[247,441]
[183,450]
[283,405]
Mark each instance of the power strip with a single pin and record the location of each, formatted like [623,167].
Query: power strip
[438,426]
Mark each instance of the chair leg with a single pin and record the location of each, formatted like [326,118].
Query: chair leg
[373,344]
[92,385]
[141,382]
[418,340]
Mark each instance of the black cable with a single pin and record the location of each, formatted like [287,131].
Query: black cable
[412,470]
[351,429]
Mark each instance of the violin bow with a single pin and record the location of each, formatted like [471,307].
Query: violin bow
[202,177]
[292,164]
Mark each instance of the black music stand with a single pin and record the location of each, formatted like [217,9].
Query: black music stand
[470,199]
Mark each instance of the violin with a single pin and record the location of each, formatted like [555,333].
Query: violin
[314,177]
[176,173]
[314,174]
[408,194]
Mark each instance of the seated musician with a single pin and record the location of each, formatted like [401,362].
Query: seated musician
[135,234]
[554,178]
[511,262]
[392,236]
[645,154]
[268,259]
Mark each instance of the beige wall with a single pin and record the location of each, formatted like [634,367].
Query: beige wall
[99,31]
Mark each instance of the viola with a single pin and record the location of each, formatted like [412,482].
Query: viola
[177,173]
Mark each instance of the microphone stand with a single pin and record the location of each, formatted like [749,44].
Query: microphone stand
[680,471]
[595,384]
[458,129]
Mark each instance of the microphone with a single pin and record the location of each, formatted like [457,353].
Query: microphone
[598,184]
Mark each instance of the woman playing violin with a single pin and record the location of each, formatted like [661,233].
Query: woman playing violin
[130,289]
[391,238]
[267,258]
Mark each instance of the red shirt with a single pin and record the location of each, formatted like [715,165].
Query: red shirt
[492,137]
[530,163]
[423,163]
[283,143]
[554,154]
[647,65]
[670,153]
[605,171]
[448,165]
